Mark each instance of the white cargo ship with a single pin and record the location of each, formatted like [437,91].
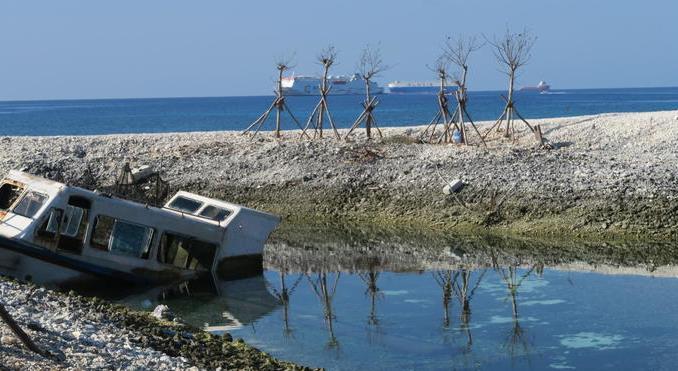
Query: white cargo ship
[416,87]
[542,87]
[340,85]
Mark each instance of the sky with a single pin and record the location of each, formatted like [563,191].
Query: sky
[86,49]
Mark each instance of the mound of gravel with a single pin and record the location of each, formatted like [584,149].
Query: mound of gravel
[606,174]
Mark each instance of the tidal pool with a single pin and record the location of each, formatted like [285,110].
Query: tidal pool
[496,318]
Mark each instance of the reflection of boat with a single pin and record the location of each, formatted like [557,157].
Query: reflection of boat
[217,305]
[542,87]
[90,232]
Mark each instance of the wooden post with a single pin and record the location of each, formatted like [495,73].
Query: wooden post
[20,334]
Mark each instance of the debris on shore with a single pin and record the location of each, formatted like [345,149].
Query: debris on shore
[607,175]
[89,333]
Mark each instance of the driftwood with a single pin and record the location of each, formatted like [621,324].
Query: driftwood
[20,334]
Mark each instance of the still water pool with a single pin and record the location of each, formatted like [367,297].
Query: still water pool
[495,318]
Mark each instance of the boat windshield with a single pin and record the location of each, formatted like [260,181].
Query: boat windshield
[8,194]
[215,213]
[185,204]
[29,204]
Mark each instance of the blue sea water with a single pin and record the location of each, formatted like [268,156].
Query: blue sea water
[111,116]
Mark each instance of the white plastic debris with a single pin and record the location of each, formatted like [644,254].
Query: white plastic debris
[453,187]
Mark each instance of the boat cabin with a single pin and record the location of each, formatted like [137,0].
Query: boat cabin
[96,233]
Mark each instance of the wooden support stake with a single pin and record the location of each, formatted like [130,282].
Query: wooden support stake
[20,334]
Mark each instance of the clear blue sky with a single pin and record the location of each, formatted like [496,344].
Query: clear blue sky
[162,48]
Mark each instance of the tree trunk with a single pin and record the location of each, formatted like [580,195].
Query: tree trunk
[368,122]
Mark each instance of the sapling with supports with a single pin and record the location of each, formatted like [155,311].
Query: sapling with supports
[458,51]
[283,64]
[440,68]
[369,66]
[513,51]
[326,58]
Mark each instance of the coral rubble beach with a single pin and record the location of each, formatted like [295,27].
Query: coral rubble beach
[89,333]
[609,176]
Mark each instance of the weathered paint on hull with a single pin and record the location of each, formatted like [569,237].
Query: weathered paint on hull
[60,261]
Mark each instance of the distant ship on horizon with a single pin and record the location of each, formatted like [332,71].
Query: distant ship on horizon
[416,87]
[542,87]
[339,85]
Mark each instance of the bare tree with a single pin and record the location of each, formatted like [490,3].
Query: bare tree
[458,50]
[447,281]
[440,67]
[326,58]
[369,66]
[283,296]
[325,294]
[513,51]
[282,64]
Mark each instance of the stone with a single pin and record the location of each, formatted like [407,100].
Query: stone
[9,340]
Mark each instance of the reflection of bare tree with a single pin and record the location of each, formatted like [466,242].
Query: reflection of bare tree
[283,297]
[513,280]
[325,294]
[446,280]
[373,291]
[464,291]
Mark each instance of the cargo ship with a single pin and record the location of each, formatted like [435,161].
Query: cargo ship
[339,85]
[542,87]
[416,87]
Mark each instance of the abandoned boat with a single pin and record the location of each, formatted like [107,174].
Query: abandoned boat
[46,223]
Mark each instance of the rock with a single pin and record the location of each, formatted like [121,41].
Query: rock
[9,340]
[162,311]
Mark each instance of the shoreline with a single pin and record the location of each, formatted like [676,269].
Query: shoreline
[609,176]
[81,332]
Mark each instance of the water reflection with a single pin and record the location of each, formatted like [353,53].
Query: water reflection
[448,310]
[325,293]
[283,295]
[464,292]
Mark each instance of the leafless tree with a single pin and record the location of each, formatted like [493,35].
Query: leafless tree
[513,50]
[369,66]
[283,63]
[440,68]
[283,296]
[325,294]
[446,280]
[326,58]
[458,50]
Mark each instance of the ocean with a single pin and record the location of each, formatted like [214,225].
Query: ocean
[158,115]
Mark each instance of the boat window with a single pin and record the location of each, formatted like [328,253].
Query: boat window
[121,237]
[54,221]
[8,194]
[130,239]
[46,235]
[101,233]
[185,204]
[29,204]
[215,213]
[186,252]
[71,221]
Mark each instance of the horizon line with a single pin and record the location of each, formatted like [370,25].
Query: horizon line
[270,95]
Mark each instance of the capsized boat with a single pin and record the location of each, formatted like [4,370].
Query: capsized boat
[83,231]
